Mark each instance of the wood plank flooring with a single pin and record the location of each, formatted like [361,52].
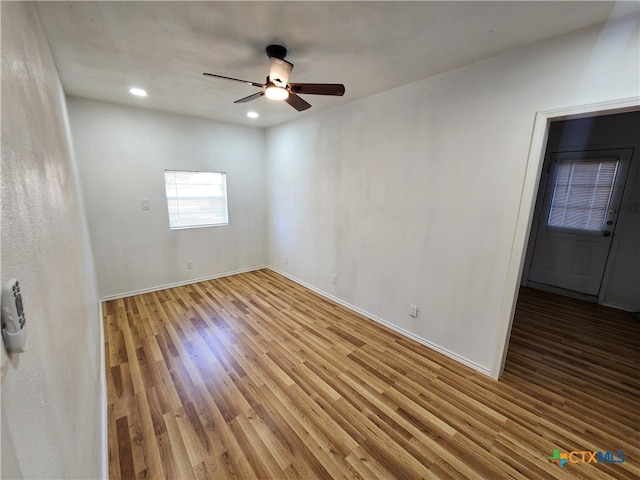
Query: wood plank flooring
[254,377]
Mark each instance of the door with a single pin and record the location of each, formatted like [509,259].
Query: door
[578,218]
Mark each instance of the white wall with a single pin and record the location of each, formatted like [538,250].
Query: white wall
[52,395]
[623,281]
[412,196]
[122,153]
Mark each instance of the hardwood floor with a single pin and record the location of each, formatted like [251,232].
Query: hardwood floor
[254,377]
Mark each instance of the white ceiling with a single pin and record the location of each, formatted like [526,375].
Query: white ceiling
[103,48]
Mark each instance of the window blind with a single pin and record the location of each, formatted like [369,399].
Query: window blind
[582,193]
[196,199]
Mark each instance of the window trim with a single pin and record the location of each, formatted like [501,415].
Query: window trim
[198,225]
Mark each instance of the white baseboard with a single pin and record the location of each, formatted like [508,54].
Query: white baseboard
[395,328]
[179,284]
[580,296]
[104,467]
[617,306]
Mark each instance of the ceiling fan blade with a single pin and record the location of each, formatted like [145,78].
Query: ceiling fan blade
[317,88]
[279,71]
[296,102]
[250,97]
[255,84]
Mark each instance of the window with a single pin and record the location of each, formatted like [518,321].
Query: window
[196,199]
[582,193]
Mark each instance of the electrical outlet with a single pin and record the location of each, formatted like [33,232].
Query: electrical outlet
[334,278]
[413,311]
[144,204]
[189,264]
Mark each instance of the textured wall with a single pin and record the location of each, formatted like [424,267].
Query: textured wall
[122,153]
[52,394]
[412,196]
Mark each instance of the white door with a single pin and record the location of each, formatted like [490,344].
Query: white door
[578,217]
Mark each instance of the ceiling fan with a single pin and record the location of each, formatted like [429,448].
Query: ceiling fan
[277,86]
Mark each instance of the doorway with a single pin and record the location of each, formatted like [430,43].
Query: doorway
[578,208]
[575,128]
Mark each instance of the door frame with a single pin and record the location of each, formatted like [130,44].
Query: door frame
[529,191]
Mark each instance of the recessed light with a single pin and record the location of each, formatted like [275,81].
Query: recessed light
[252,114]
[138,92]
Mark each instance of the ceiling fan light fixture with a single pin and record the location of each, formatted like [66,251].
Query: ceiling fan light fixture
[276,93]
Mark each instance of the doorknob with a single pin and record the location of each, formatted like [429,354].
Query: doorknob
[606,233]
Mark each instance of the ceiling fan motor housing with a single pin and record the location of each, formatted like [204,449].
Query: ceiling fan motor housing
[276,51]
